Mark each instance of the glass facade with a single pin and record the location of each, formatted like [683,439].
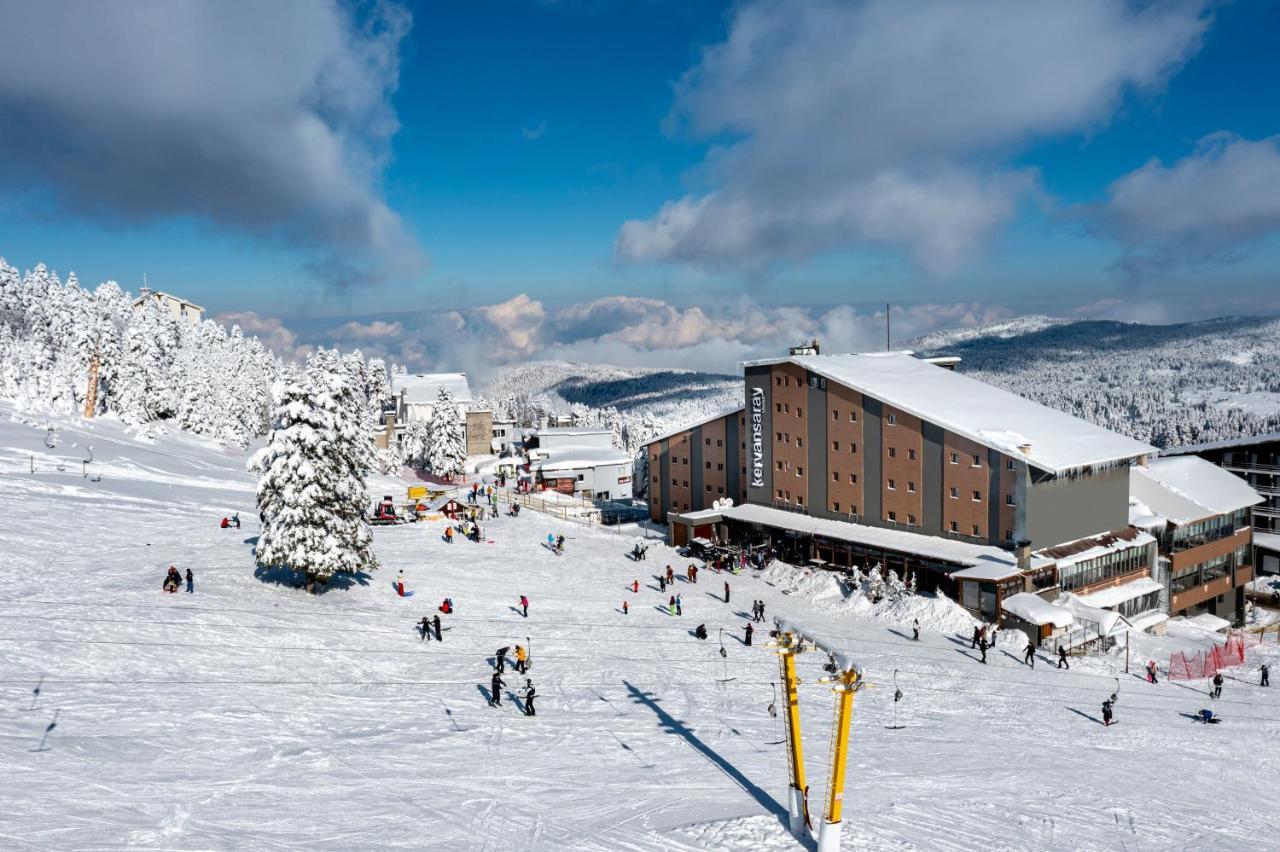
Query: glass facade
[1209,570]
[1116,563]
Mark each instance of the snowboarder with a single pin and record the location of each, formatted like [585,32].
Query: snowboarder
[726,591]
[436,623]
[748,633]
[496,683]
[191,582]
[1217,686]
[977,634]
[700,631]
[1266,675]
[1062,658]
[982,646]
[528,694]
[635,586]
[1107,711]
[915,629]
[1029,657]
[425,627]
[679,605]
[1151,671]
[521,659]
[626,608]
[524,606]
[500,659]
[235,520]
[400,584]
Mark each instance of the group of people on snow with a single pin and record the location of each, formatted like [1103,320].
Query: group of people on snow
[173,581]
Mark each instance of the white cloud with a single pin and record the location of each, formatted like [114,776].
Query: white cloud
[271,119]
[888,124]
[270,331]
[1219,198]
[374,330]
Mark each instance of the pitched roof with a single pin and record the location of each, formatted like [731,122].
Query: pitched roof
[1055,441]
[1188,488]
[1224,444]
[154,293]
[425,387]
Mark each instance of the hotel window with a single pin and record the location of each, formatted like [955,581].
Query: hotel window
[799,470]
[799,441]
[955,493]
[786,407]
[853,510]
[853,447]
[893,418]
[911,520]
[778,465]
[788,493]
[977,496]
[977,460]
[779,493]
[675,482]
[786,381]
[893,486]
[786,437]
[955,527]
[835,507]
[1008,500]
[853,417]
[719,489]
[835,415]
[799,500]
[685,483]
[778,406]
[853,479]
[975,529]
[708,465]
[911,487]
[799,411]
[779,434]
[708,489]
[1008,535]
[777,380]
[911,454]
[719,466]
[955,458]
[684,461]
[719,442]
[708,442]
[1010,464]
[787,466]
[835,476]
[893,452]
[835,445]
[893,516]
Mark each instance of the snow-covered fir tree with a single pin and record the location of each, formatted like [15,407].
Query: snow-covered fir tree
[311,491]
[447,447]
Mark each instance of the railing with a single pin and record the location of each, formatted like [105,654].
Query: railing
[1252,467]
[1085,633]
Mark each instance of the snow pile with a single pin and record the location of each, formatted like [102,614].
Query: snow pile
[826,591]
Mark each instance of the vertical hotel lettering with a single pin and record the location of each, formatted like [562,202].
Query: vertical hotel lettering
[757,437]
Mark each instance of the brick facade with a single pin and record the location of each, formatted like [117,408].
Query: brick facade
[844,450]
[903,465]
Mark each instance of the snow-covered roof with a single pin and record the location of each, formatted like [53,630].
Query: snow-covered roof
[1091,547]
[695,424]
[153,294]
[570,431]
[1266,540]
[1188,488]
[1054,440]
[932,547]
[1036,610]
[425,387]
[576,457]
[987,572]
[1225,444]
[1208,622]
[1108,621]
[1116,595]
[700,516]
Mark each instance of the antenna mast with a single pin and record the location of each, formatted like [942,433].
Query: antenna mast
[888,346]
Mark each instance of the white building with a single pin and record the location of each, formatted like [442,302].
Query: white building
[416,394]
[177,306]
[579,461]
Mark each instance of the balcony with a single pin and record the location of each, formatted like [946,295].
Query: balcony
[1252,467]
[1198,594]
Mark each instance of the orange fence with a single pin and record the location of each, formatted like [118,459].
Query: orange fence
[1209,663]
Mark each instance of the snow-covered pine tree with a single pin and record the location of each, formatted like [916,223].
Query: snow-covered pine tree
[447,448]
[415,444]
[308,493]
[875,584]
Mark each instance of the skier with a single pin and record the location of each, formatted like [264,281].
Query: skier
[1266,675]
[977,634]
[1029,657]
[1151,671]
[635,586]
[521,659]
[1217,686]
[425,627]
[1107,711]
[915,629]
[500,659]
[726,591]
[436,622]
[982,646]
[400,583]
[1062,658]
[551,541]
[700,631]
[528,693]
[191,582]
[748,632]
[448,535]
[626,608]
[560,544]
[524,605]
[679,605]
[495,689]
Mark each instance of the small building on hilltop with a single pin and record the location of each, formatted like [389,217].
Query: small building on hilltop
[417,394]
[579,461]
[178,307]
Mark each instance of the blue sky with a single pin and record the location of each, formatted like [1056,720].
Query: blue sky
[493,149]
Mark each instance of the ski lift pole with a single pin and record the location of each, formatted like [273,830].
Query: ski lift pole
[846,684]
[787,644]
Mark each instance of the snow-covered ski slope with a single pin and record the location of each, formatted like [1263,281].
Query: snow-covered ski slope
[249,715]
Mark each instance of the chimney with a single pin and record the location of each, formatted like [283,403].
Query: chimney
[1022,550]
[1025,449]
